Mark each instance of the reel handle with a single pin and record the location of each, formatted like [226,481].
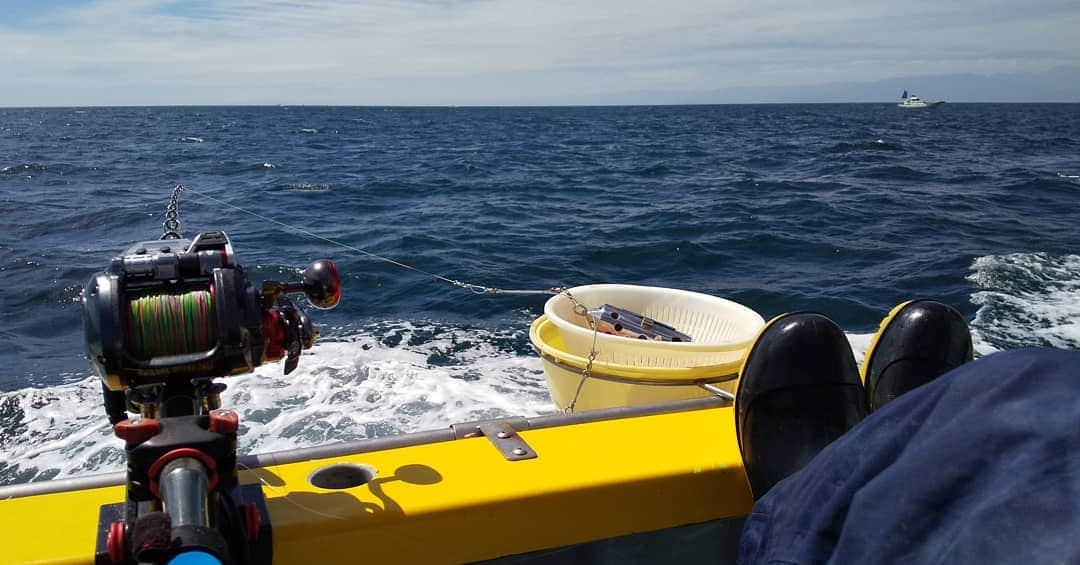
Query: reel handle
[288,328]
[322,285]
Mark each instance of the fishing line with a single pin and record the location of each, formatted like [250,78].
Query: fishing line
[578,307]
[475,288]
[171,324]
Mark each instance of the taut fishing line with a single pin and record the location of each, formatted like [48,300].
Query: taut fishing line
[579,308]
[475,288]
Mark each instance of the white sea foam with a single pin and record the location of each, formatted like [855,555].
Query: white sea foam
[192,139]
[355,388]
[859,344]
[1027,299]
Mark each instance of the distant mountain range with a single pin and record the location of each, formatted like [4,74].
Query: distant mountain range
[1061,84]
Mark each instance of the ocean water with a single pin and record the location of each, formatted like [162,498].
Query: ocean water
[844,209]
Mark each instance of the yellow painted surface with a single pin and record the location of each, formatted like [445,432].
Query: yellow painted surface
[458,501]
[53,528]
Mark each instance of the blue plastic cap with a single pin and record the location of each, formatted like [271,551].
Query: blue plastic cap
[194,558]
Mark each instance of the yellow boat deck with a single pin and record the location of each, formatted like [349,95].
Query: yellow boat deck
[457,501]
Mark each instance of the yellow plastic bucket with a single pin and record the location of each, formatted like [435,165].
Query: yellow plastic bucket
[721,329]
[612,385]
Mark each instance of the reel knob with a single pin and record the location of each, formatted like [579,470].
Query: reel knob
[322,284]
[309,332]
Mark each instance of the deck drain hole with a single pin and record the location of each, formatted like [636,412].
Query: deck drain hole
[341,475]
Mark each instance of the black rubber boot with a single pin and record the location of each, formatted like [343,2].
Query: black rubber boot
[799,390]
[917,342]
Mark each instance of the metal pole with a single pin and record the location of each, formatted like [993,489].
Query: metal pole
[184,492]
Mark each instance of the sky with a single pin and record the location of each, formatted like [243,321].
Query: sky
[507,52]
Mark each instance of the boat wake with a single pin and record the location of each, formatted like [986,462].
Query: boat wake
[395,377]
[1027,299]
[381,380]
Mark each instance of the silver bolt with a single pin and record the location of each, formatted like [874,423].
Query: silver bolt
[518,451]
[503,435]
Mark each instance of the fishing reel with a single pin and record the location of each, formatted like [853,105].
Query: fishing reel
[163,321]
[169,311]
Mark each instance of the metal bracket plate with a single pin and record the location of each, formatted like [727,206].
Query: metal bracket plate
[506,439]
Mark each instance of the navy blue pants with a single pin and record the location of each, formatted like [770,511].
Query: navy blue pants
[980,466]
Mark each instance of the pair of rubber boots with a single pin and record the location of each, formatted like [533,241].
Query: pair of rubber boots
[800,389]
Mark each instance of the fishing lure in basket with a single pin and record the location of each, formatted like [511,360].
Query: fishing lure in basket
[619,321]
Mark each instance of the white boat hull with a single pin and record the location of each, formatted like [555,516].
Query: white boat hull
[920,105]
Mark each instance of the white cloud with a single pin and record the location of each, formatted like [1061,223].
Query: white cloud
[382,52]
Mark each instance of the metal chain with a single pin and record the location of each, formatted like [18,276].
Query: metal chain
[581,310]
[170,229]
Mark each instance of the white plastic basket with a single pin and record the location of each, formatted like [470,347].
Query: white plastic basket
[720,330]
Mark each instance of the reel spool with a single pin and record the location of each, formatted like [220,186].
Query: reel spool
[162,325]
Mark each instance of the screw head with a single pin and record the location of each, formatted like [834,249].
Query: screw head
[518,451]
[503,435]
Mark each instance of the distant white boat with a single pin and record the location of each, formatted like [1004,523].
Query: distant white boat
[916,102]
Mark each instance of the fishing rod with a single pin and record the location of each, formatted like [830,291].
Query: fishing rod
[163,321]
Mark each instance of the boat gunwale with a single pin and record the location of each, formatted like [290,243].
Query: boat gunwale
[340,449]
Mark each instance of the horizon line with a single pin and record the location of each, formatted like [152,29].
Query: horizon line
[569,105]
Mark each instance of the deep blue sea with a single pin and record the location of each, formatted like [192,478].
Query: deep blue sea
[845,209]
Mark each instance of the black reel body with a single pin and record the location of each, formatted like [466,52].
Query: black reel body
[163,321]
[133,334]
[178,309]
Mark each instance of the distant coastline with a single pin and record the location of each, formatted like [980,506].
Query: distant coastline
[538,106]
[1060,85]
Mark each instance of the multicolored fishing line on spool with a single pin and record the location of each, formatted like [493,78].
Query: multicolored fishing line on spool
[171,324]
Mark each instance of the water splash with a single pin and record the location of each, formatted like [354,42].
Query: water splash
[1027,299]
[385,379]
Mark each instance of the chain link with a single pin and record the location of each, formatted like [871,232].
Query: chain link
[170,229]
[581,310]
